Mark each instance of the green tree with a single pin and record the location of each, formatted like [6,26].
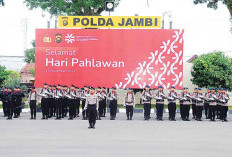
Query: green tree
[12,82]
[3,74]
[214,4]
[212,70]
[30,54]
[69,7]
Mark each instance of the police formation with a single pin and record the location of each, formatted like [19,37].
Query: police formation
[61,101]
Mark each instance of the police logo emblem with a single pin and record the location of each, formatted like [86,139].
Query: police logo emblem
[58,38]
[65,21]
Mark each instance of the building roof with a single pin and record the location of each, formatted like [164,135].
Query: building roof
[25,73]
[190,60]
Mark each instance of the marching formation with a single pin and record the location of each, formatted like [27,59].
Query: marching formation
[61,101]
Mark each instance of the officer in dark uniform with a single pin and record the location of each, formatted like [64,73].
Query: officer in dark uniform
[181,103]
[4,101]
[224,98]
[72,102]
[213,103]
[199,104]
[146,97]
[10,104]
[113,98]
[33,102]
[20,99]
[92,104]
[65,103]
[15,101]
[186,97]
[172,96]
[218,106]
[45,93]
[160,96]
[100,98]
[129,103]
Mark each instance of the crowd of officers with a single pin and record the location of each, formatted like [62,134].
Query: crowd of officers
[61,101]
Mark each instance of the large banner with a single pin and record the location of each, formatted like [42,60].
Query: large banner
[109,21]
[109,57]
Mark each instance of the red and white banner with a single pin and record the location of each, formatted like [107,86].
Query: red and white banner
[109,57]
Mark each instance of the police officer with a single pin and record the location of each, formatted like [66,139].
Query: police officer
[224,98]
[199,104]
[160,96]
[44,93]
[10,105]
[186,97]
[53,102]
[172,96]
[78,99]
[113,98]
[194,102]
[212,105]
[4,101]
[103,102]
[98,92]
[84,94]
[33,102]
[72,102]
[218,106]
[58,101]
[146,97]
[206,103]
[65,103]
[181,100]
[129,103]
[15,101]
[92,104]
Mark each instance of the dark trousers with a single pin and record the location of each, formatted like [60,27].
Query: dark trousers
[72,108]
[199,110]
[104,107]
[100,109]
[181,111]
[212,110]
[113,108]
[218,111]
[172,110]
[84,112]
[194,110]
[58,104]
[65,107]
[129,111]
[17,108]
[224,110]
[33,108]
[206,107]
[4,106]
[159,110]
[185,111]
[92,112]
[147,110]
[44,106]
[51,107]
[77,106]
[10,109]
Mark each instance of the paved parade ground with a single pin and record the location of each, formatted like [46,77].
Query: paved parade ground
[120,138]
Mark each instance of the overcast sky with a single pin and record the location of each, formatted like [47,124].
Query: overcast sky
[205,29]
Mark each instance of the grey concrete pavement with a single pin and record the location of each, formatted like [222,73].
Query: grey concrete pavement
[50,138]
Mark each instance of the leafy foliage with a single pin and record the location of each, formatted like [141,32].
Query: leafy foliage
[69,7]
[30,54]
[212,70]
[3,74]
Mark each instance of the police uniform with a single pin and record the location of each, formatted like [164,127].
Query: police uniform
[58,102]
[65,103]
[83,97]
[98,92]
[159,104]
[194,104]
[44,102]
[77,101]
[199,105]
[172,96]
[72,104]
[113,97]
[186,105]
[218,106]
[33,101]
[129,103]
[4,101]
[206,104]
[224,98]
[146,97]
[102,111]
[92,104]
[212,105]
[10,104]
